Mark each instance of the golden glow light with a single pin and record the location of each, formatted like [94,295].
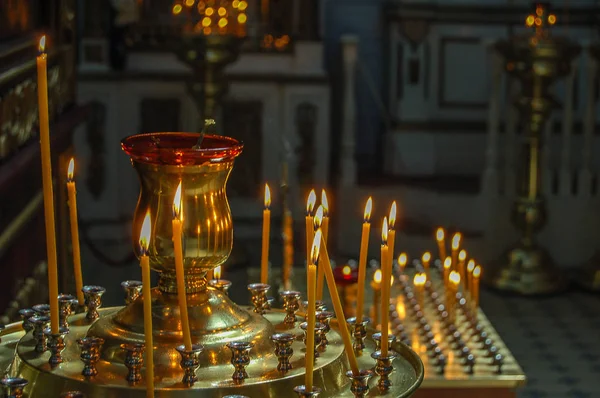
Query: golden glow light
[71,169]
[402,260]
[530,20]
[368,209]
[318,220]
[217,272]
[222,11]
[42,44]
[538,21]
[209,11]
[420,279]
[243,5]
[456,241]
[439,234]
[462,255]
[316,247]
[346,270]
[267,196]
[377,276]
[384,231]
[177,9]
[206,21]
[177,203]
[448,263]
[242,18]
[235,3]
[477,272]
[222,22]
[471,265]
[310,203]
[145,233]
[393,215]
[551,19]
[189,3]
[324,203]
[454,277]
[426,257]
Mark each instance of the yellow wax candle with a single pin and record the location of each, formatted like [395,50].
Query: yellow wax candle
[419,284]
[462,257]
[42,82]
[376,286]
[362,261]
[385,288]
[470,268]
[325,230]
[402,261]
[447,269]
[391,234]
[179,271]
[311,276]
[266,235]
[310,206]
[425,260]
[337,305]
[475,289]
[72,194]
[440,237]
[454,281]
[455,246]
[147,296]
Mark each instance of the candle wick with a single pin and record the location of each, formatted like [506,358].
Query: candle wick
[207,124]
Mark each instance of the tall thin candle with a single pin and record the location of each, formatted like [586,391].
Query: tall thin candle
[440,237]
[72,194]
[402,261]
[42,82]
[385,287]
[392,234]
[470,268]
[311,277]
[310,206]
[266,235]
[462,257]
[147,296]
[475,289]
[362,260]
[447,269]
[179,271]
[425,260]
[455,246]
[325,229]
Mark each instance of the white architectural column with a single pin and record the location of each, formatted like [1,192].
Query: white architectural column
[348,157]
[510,147]
[585,174]
[490,176]
[565,180]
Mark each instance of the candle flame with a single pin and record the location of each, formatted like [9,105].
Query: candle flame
[217,272]
[318,220]
[267,196]
[402,260]
[368,209]
[456,241]
[391,280]
[71,169]
[145,233]
[471,265]
[392,215]
[477,272]
[377,276]
[310,203]
[448,263]
[439,234]
[462,255]
[454,277]
[384,231]
[346,270]
[426,257]
[324,203]
[420,279]
[177,203]
[316,247]
[42,45]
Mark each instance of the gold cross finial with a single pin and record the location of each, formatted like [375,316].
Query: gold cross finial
[540,18]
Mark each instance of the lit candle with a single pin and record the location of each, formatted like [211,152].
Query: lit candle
[42,82]
[179,272]
[362,260]
[447,269]
[455,246]
[311,276]
[454,281]
[310,206]
[385,287]
[475,289]
[419,284]
[440,236]
[425,260]
[391,234]
[470,268]
[402,261]
[462,257]
[376,285]
[337,305]
[325,229]
[72,193]
[147,296]
[266,235]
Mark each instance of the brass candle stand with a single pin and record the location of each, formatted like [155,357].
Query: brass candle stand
[536,61]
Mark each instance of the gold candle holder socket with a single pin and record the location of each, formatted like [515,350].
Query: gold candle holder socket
[93,300]
[190,363]
[220,284]
[26,314]
[319,306]
[90,354]
[40,322]
[258,292]
[359,384]
[359,332]
[240,358]
[325,317]
[283,349]
[319,331]
[133,290]
[377,339]
[41,309]
[291,305]
[303,392]
[65,308]
[384,368]
[56,345]
[134,360]
[13,387]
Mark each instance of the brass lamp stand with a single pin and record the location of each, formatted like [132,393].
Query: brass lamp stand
[537,61]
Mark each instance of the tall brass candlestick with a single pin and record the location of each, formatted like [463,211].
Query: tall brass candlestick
[72,193]
[362,261]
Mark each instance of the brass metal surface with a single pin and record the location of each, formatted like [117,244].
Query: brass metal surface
[18,358]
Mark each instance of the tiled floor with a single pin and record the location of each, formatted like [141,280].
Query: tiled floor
[556,341]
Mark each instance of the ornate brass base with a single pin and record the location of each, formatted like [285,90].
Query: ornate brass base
[588,276]
[526,270]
